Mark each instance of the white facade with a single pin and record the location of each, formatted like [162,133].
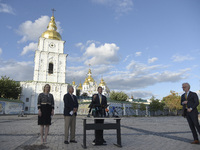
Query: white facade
[50,68]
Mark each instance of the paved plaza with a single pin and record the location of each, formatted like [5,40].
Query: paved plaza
[138,133]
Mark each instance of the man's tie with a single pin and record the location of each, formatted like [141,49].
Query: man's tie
[186,98]
[100,99]
[72,97]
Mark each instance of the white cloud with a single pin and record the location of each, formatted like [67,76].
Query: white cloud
[9,27]
[138,54]
[31,31]
[151,60]
[140,75]
[78,73]
[19,71]
[104,54]
[131,80]
[140,67]
[141,94]
[179,58]
[81,45]
[31,47]
[1,51]
[4,8]
[126,58]
[120,7]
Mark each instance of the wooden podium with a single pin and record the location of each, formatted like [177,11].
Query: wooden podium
[104,126]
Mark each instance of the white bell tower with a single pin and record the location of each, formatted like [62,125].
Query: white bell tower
[50,60]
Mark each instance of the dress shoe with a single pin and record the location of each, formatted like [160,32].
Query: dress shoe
[104,141]
[66,142]
[195,142]
[73,141]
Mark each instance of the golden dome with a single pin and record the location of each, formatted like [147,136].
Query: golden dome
[73,82]
[90,79]
[102,83]
[86,82]
[80,86]
[51,32]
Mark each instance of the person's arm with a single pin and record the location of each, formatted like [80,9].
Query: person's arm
[196,101]
[93,100]
[39,105]
[183,101]
[66,101]
[76,104]
[52,105]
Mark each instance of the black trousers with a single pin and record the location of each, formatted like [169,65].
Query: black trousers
[192,118]
[99,133]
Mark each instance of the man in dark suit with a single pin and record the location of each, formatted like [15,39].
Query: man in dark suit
[99,102]
[190,101]
[70,113]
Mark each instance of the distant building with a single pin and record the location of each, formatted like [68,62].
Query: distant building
[50,68]
[90,86]
[144,101]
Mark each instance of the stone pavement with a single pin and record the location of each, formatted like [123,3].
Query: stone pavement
[138,133]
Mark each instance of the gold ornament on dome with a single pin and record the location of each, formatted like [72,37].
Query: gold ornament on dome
[102,83]
[86,82]
[51,32]
[80,86]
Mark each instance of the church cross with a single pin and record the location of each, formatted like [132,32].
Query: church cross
[53,11]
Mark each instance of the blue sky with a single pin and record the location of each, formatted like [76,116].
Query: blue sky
[141,47]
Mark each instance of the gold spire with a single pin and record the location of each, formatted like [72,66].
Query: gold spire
[73,82]
[51,32]
[86,82]
[102,83]
[80,86]
[89,71]
[89,78]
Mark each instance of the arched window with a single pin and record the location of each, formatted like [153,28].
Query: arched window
[50,68]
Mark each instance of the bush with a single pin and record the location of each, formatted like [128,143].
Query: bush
[9,88]
[119,96]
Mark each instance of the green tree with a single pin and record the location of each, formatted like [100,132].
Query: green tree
[9,88]
[142,107]
[119,96]
[156,105]
[135,106]
[173,101]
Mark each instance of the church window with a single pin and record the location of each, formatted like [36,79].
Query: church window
[27,99]
[26,108]
[50,68]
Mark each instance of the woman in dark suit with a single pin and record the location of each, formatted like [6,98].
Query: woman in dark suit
[45,111]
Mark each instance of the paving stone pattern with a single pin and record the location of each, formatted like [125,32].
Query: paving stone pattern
[138,133]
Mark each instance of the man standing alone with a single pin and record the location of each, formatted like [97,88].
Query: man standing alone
[99,101]
[190,101]
[70,112]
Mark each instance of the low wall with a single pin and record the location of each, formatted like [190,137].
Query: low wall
[124,109]
[10,107]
